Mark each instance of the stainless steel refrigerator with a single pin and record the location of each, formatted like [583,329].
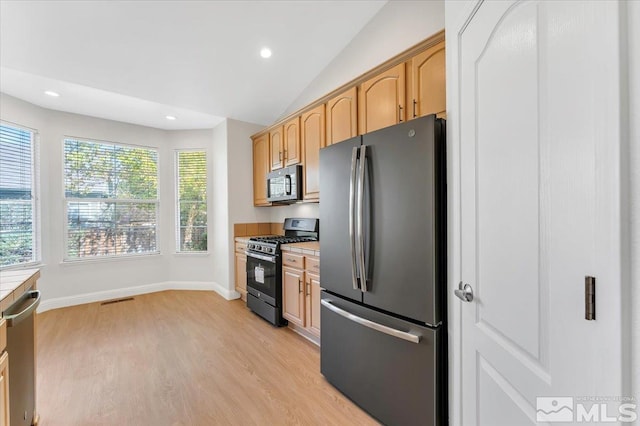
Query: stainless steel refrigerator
[383,270]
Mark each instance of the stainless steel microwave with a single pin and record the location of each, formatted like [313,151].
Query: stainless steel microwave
[285,185]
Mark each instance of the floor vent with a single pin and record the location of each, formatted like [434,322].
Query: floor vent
[109,302]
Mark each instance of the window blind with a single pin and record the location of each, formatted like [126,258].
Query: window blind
[17,201]
[111,193]
[192,201]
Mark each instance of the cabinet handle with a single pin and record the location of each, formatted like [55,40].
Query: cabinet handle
[316,266]
[299,285]
[280,156]
[400,113]
[286,154]
[414,108]
[308,288]
[292,260]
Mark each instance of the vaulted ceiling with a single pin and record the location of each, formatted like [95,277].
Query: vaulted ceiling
[139,61]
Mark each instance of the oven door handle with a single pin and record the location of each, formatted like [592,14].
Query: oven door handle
[271,259]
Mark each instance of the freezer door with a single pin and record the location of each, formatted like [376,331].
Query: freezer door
[336,184]
[406,231]
[375,360]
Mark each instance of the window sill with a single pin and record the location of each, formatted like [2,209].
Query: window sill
[192,253]
[108,259]
[22,266]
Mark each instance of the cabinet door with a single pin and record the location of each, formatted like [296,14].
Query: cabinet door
[4,389]
[342,118]
[291,144]
[312,141]
[276,139]
[260,169]
[313,303]
[382,100]
[428,91]
[241,274]
[293,295]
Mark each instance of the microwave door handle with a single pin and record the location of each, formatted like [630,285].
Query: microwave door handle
[287,184]
[360,217]
[352,224]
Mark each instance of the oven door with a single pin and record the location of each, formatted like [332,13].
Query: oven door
[262,277]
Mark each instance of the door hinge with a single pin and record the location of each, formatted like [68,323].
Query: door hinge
[589,298]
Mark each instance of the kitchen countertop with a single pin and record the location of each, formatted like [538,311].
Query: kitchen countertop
[15,282]
[310,248]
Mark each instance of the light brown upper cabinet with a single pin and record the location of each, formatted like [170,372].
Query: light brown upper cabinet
[260,169]
[342,116]
[276,138]
[427,93]
[382,100]
[291,145]
[312,140]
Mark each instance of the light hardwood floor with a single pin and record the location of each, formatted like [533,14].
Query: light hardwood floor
[180,358]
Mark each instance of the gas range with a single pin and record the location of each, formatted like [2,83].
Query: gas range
[271,244]
[264,267]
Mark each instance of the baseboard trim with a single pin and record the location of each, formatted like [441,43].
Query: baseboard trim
[99,296]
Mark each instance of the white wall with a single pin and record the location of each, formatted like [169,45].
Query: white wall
[240,186]
[395,28]
[230,200]
[633,28]
[190,267]
[70,279]
[280,213]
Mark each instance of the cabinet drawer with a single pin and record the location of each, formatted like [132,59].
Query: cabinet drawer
[241,247]
[313,264]
[293,260]
[3,334]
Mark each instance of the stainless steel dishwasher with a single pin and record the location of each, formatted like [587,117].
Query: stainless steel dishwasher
[21,349]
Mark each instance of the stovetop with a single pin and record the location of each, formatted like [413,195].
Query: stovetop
[296,230]
[271,245]
[282,239]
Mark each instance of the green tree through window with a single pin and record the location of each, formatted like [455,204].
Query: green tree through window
[17,201]
[192,200]
[111,194]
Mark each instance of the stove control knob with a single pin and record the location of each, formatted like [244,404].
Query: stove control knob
[271,250]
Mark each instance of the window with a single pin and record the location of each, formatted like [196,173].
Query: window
[111,199]
[18,240]
[192,200]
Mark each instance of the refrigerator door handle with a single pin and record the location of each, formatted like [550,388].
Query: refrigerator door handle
[352,225]
[360,250]
[404,335]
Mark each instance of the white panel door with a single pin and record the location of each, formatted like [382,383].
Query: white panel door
[539,206]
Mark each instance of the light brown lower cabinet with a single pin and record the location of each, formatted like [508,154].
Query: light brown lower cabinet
[241,270]
[312,303]
[301,292]
[4,376]
[293,295]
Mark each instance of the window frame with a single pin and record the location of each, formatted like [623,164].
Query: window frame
[36,230]
[66,200]
[176,168]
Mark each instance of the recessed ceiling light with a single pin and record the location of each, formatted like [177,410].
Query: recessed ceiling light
[265,52]
[51,93]
[170,117]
